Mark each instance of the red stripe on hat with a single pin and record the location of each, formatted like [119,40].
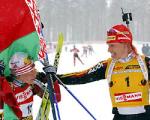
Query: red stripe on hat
[23,70]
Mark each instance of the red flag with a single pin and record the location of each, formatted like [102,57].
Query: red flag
[17,32]
[15,19]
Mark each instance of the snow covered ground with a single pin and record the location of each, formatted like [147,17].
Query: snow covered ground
[94,96]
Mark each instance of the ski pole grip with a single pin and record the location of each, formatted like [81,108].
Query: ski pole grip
[50,69]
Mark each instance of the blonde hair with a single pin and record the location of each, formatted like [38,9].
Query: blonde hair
[132,48]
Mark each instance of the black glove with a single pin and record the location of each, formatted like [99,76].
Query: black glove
[2,67]
[41,76]
[50,69]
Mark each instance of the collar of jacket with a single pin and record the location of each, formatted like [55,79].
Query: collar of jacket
[19,83]
[128,58]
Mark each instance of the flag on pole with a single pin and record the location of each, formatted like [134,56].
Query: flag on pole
[17,31]
[38,26]
[20,31]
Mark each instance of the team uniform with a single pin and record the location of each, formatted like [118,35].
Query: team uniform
[24,83]
[21,88]
[24,96]
[128,80]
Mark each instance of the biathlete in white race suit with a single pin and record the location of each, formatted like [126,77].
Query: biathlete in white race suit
[127,73]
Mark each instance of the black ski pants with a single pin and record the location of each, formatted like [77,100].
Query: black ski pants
[142,116]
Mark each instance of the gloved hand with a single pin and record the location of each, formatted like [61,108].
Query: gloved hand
[41,76]
[2,67]
[50,69]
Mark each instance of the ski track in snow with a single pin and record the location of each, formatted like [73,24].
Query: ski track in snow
[94,96]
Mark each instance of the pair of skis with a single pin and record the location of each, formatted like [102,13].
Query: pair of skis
[49,97]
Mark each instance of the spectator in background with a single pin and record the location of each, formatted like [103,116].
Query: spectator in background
[146,49]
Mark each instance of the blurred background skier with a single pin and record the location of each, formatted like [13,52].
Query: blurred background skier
[76,55]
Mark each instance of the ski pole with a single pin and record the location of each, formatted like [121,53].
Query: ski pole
[56,62]
[74,97]
[38,27]
[57,108]
[51,92]
[52,96]
[51,89]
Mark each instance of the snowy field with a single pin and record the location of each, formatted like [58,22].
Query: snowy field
[94,96]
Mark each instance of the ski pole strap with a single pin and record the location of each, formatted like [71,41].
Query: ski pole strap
[50,69]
